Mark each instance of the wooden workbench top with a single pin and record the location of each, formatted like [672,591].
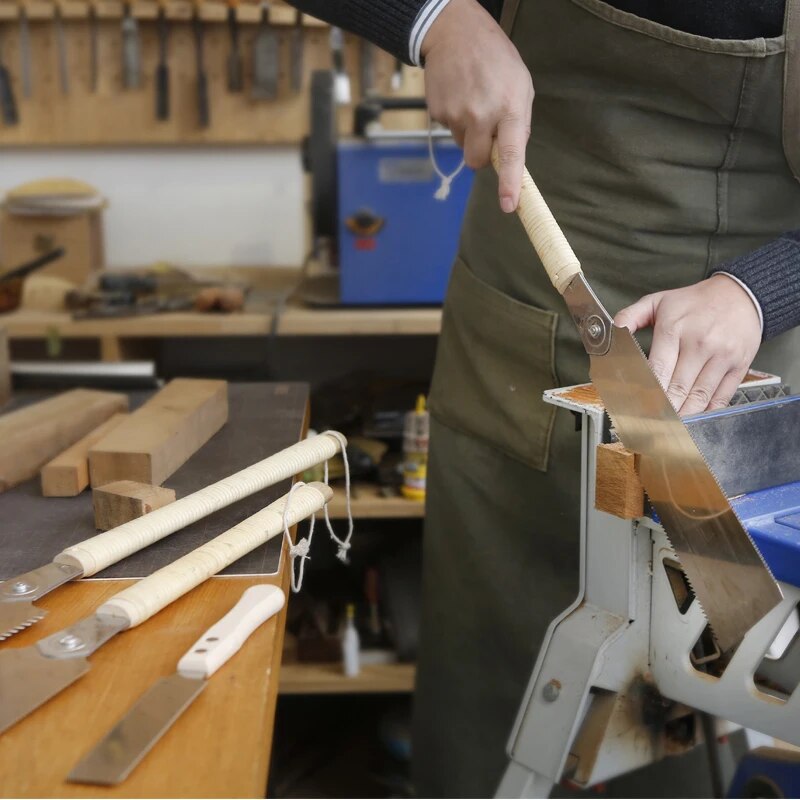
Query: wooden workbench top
[220,747]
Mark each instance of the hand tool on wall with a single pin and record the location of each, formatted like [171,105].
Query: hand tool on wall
[203,108]
[730,578]
[397,75]
[131,50]
[30,676]
[367,64]
[61,48]
[92,555]
[235,63]
[132,738]
[24,51]
[296,47]
[341,86]
[266,59]
[94,35]
[162,68]
[8,103]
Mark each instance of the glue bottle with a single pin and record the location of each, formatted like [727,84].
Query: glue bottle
[415,451]
[351,646]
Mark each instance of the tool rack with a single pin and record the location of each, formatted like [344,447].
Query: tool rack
[109,114]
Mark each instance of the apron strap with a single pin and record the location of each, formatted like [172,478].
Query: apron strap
[791,87]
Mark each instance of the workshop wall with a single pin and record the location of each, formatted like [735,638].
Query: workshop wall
[175,196]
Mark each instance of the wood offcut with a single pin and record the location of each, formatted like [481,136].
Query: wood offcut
[67,475]
[33,435]
[159,437]
[122,501]
[618,490]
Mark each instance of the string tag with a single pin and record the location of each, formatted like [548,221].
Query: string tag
[443,192]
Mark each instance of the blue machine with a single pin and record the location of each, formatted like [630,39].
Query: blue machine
[396,241]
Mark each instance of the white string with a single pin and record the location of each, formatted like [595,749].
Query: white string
[344,544]
[443,192]
[301,548]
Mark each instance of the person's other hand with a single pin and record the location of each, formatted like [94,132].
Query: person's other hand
[705,337]
[478,86]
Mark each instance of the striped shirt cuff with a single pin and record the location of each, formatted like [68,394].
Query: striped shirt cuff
[426,17]
[750,295]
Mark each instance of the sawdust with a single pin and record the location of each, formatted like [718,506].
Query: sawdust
[585,394]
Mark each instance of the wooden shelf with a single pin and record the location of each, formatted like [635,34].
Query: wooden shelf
[368,503]
[258,318]
[328,679]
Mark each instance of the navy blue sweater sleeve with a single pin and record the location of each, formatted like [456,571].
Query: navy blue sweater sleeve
[772,273]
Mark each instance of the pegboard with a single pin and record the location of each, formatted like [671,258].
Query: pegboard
[113,115]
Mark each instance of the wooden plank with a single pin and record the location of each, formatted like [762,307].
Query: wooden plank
[33,435]
[219,747]
[161,435]
[67,475]
[618,490]
[329,679]
[368,502]
[122,501]
[5,368]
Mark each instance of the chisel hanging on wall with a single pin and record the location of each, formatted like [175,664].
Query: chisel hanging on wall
[203,110]
[266,59]
[296,47]
[7,100]
[131,50]
[235,64]
[162,68]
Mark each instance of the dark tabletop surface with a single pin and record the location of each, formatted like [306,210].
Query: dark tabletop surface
[263,418]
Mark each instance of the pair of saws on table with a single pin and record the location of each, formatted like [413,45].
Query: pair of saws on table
[30,676]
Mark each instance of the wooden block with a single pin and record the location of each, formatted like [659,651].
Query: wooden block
[123,501]
[618,489]
[161,435]
[5,369]
[37,433]
[67,475]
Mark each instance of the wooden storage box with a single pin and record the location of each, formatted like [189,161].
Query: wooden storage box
[26,236]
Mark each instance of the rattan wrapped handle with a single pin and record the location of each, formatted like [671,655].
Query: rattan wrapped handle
[147,597]
[548,239]
[107,548]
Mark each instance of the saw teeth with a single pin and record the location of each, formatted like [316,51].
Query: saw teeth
[7,634]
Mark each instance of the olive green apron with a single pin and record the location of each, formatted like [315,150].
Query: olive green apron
[661,154]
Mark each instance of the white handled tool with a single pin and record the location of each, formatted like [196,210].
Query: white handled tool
[29,676]
[113,758]
[92,555]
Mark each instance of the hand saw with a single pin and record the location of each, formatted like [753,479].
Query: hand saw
[92,555]
[30,676]
[727,573]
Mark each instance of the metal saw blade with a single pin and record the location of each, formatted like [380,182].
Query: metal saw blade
[725,569]
[15,617]
[28,679]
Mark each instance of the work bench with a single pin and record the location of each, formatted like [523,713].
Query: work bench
[221,746]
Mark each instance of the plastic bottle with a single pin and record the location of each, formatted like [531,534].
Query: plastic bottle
[351,645]
[415,451]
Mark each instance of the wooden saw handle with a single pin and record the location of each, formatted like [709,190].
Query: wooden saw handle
[552,247]
[99,552]
[147,597]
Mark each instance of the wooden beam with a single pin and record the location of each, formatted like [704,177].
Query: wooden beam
[67,475]
[160,436]
[32,435]
[123,501]
[618,489]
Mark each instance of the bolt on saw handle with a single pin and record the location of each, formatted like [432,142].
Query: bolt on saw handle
[552,247]
[147,597]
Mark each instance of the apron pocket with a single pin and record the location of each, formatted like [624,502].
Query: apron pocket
[495,359]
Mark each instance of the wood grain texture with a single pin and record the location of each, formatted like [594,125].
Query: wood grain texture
[67,475]
[160,437]
[618,490]
[33,435]
[121,501]
[219,747]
